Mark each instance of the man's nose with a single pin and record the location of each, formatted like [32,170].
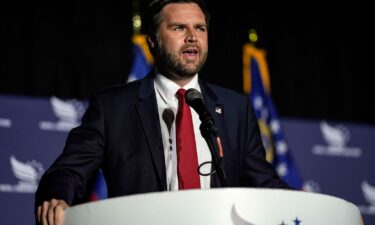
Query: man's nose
[191,36]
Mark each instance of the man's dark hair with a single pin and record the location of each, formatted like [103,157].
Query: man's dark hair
[154,17]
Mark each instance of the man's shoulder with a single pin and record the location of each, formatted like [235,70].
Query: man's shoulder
[226,93]
[124,89]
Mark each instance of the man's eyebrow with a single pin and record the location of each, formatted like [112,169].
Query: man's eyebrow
[201,25]
[184,24]
[177,24]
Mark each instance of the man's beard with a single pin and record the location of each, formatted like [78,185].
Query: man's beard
[169,64]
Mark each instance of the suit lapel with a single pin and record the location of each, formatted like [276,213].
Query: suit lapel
[215,107]
[148,113]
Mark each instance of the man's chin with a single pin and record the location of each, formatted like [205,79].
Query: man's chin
[191,68]
[188,72]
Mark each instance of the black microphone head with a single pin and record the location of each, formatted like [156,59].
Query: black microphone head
[192,95]
[168,117]
[195,100]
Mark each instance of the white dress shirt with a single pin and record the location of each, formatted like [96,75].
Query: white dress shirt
[165,90]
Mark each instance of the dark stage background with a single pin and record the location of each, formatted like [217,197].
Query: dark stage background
[320,54]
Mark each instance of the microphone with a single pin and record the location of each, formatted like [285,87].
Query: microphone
[168,117]
[195,100]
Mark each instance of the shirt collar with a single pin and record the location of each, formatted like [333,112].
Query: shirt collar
[167,88]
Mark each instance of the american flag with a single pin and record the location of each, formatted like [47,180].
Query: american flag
[257,86]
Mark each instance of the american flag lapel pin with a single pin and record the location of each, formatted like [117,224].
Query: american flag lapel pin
[219,109]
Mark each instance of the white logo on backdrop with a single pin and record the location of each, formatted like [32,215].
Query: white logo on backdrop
[28,175]
[369,195]
[5,122]
[336,138]
[68,112]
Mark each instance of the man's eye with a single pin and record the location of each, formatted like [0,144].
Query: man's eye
[178,28]
[202,29]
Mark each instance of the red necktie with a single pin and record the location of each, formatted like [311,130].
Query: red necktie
[187,160]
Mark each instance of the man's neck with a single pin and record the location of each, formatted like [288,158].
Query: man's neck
[179,80]
[182,82]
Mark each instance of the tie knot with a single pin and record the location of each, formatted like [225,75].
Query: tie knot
[181,93]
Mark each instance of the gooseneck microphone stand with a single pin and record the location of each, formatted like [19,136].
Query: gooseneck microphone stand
[209,133]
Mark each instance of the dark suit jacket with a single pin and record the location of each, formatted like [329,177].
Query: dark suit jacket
[120,133]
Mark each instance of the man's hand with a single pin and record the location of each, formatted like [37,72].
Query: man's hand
[51,212]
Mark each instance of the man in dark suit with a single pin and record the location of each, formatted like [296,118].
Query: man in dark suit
[124,133]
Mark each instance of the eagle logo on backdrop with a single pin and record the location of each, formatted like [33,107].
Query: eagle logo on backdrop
[336,138]
[5,122]
[28,175]
[68,112]
[369,195]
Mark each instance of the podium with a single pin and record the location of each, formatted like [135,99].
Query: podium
[226,206]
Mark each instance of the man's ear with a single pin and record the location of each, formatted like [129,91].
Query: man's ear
[151,42]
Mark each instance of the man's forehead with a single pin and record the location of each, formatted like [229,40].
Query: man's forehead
[182,12]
